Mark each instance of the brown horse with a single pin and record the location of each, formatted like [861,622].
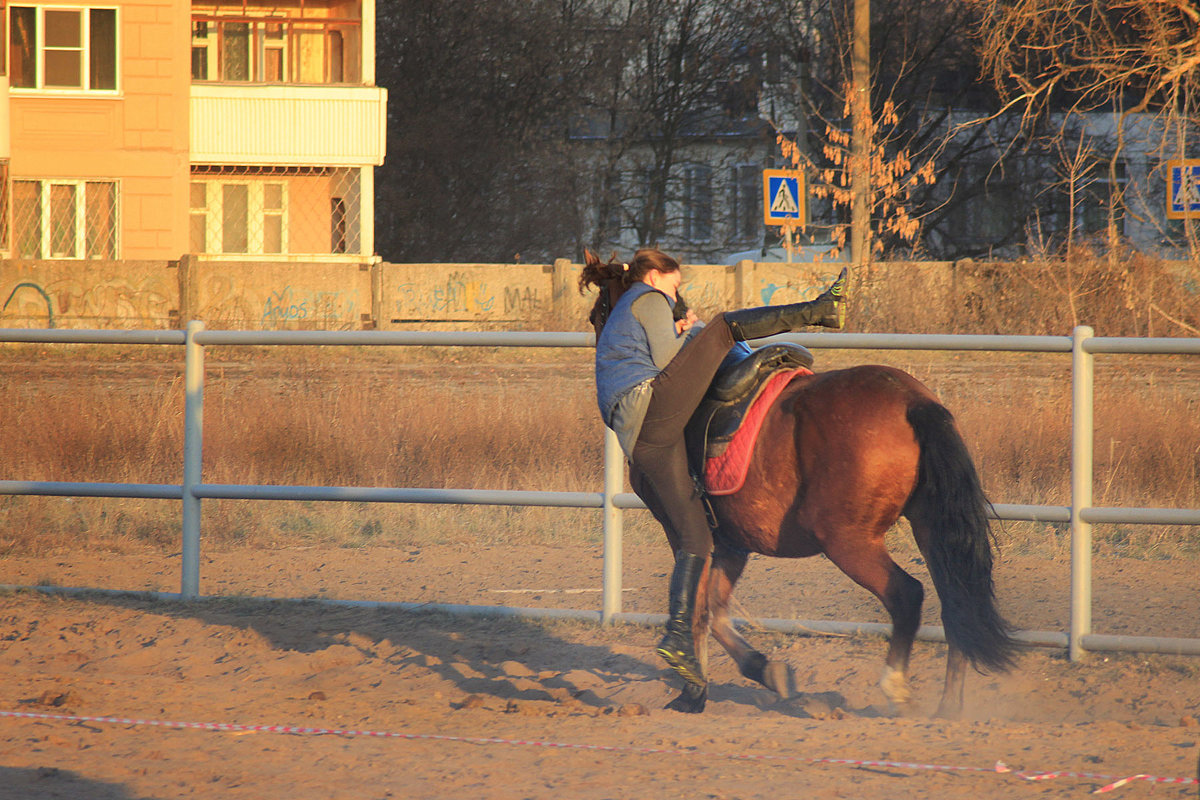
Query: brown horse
[840,457]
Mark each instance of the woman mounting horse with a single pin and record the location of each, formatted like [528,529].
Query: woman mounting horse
[841,456]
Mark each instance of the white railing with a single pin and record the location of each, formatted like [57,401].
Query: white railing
[612,500]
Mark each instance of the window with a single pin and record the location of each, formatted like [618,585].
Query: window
[609,208]
[1078,205]
[241,216]
[338,212]
[203,50]
[3,206]
[275,50]
[1092,205]
[198,217]
[65,219]
[746,202]
[270,211]
[249,51]
[697,203]
[63,49]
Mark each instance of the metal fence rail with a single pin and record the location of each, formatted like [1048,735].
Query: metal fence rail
[612,500]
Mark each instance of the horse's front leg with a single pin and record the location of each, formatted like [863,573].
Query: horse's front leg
[775,675]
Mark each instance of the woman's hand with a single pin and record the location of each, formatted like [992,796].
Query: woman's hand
[682,325]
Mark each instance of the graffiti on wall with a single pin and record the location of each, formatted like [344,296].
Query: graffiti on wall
[708,295]
[327,310]
[793,291]
[524,301]
[458,294]
[133,300]
[29,301]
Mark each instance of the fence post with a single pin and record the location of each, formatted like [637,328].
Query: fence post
[188,288]
[614,482]
[193,433]
[1082,440]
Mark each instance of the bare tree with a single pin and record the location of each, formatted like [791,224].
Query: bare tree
[480,97]
[1123,57]
[923,76]
[688,74]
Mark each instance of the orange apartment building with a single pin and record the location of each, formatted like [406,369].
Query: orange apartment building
[147,129]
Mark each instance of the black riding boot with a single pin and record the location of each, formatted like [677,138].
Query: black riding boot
[677,646]
[828,311]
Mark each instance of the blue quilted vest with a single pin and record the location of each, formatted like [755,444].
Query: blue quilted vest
[622,353]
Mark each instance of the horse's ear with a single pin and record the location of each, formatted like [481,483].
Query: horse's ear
[590,258]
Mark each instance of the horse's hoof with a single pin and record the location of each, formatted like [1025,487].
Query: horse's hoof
[779,678]
[948,712]
[691,700]
[895,687]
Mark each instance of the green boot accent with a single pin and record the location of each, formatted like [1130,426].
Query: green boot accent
[678,648]
[836,294]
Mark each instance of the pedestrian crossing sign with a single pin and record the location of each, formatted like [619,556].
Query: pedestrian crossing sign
[783,197]
[1183,189]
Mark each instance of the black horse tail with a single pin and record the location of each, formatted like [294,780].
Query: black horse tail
[949,499]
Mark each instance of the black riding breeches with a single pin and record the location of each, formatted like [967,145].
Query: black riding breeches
[659,471]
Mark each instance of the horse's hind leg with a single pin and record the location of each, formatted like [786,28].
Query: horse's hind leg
[951,703]
[726,568]
[871,567]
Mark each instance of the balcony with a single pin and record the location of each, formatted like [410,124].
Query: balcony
[276,50]
[264,125]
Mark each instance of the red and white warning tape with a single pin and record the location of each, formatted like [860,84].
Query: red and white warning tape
[1115,782]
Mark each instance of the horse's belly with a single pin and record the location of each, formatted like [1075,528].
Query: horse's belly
[759,528]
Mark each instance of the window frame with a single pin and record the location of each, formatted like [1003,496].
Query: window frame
[698,203]
[86,76]
[257,215]
[745,207]
[5,205]
[307,51]
[45,218]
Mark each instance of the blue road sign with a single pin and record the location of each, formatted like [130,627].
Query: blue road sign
[1183,189]
[783,196]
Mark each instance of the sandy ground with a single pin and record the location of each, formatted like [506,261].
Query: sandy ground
[512,708]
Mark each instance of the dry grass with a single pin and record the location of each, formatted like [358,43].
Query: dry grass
[520,420]
[1126,295]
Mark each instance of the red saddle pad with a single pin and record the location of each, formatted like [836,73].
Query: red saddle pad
[726,473]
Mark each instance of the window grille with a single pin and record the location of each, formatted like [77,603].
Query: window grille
[63,49]
[68,219]
[3,206]
[275,211]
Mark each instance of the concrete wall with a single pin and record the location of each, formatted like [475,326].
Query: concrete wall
[256,295]
[90,294]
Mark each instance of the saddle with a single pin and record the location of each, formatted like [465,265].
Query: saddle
[731,410]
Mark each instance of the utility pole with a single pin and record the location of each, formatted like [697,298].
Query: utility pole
[860,136]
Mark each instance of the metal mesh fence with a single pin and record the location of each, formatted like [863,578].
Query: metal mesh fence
[3,201]
[275,210]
